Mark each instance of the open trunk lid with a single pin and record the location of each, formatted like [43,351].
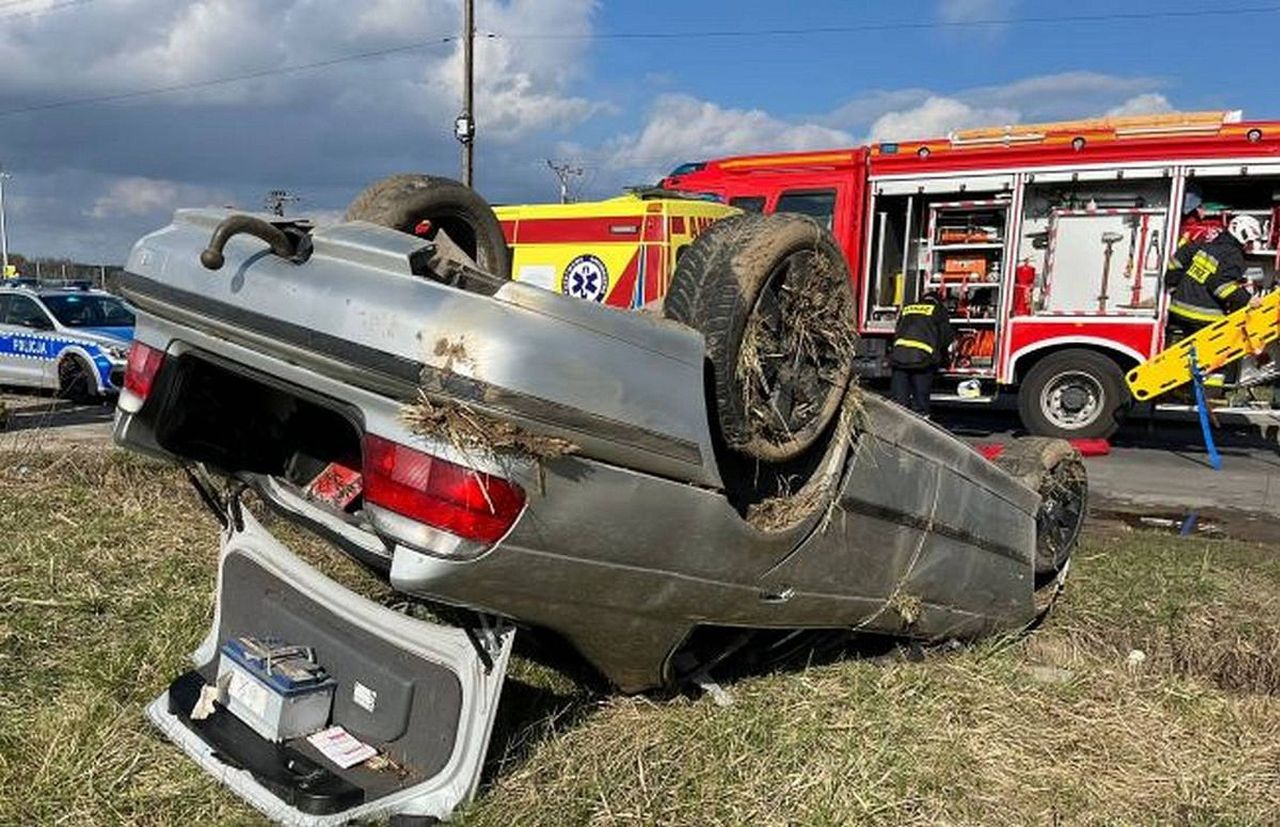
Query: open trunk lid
[424,695]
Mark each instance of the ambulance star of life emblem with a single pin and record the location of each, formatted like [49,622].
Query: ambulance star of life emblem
[586,278]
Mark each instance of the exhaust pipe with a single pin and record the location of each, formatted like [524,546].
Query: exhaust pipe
[297,249]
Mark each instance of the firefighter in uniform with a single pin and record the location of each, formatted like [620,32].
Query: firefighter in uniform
[921,341]
[1205,279]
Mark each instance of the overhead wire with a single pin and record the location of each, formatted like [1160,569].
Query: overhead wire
[640,35]
[204,84]
[795,31]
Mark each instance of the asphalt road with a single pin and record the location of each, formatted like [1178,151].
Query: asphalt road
[44,422]
[1154,468]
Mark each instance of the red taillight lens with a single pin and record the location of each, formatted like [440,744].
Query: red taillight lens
[453,498]
[141,369]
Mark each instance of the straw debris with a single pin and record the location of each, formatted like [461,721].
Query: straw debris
[777,513]
[473,431]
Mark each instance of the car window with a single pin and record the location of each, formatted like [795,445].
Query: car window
[818,204]
[4,308]
[25,312]
[748,203]
[88,310]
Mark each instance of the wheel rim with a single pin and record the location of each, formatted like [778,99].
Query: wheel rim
[1063,502]
[796,352]
[72,377]
[1072,400]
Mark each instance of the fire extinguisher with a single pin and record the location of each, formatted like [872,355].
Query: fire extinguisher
[1024,279]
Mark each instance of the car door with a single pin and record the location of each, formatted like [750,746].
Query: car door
[27,353]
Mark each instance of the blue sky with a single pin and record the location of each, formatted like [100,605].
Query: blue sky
[623,89]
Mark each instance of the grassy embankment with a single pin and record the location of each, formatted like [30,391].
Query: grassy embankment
[106,567]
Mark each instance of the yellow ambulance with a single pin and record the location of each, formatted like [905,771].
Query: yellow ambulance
[620,251]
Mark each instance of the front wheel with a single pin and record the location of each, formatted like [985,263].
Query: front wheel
[75,380]
[1073,394]
[1055,471]
[402,202]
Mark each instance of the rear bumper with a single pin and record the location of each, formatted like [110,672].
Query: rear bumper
[435,696]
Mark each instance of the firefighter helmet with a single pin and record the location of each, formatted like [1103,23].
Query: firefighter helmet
[1246,229]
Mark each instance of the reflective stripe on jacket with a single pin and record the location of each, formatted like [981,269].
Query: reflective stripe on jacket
[922,335]
[1203,278]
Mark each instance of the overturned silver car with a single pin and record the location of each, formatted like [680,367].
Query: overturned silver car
[660,493]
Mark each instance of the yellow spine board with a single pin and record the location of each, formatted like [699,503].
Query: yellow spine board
[1241,334]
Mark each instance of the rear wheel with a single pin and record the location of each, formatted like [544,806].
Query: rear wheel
[402,202]
[698,259]
[75,379]
[1073,394]
[775,305]
[1055,471]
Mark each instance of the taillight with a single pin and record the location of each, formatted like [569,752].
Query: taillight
[462,501]
[141,369]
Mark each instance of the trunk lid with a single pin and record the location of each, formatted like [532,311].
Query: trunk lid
[424,695]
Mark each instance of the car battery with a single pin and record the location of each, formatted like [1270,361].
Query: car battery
[277,689]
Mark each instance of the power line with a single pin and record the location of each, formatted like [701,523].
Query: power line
[39,12]
[204,84]
[900,26]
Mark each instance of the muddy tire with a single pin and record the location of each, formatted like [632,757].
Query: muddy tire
[75,380]
[1054,470]
[776,307]
[401,202]
[701,257]
[1073,394]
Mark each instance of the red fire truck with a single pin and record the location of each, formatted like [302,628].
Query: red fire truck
[1049,242]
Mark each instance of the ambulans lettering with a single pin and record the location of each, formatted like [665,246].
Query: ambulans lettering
[586,277]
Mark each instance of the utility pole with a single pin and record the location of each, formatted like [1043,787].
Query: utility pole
[464,127]
[276,199]
[4,231]
[563,172]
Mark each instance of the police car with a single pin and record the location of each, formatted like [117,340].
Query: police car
[71,340]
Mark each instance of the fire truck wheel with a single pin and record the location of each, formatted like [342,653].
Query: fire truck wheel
[776,308]
[1055,471]
[402,202]
[1073,394]
[699,259]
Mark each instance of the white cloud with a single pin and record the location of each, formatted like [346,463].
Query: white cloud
[116,168]
[935,117]
[135,196]
[1060,96]
[1149,103]
[684,128]
[968,11]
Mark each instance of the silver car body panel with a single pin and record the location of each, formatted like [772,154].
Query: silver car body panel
[625,387]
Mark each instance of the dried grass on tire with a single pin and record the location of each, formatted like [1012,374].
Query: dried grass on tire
[815,321]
